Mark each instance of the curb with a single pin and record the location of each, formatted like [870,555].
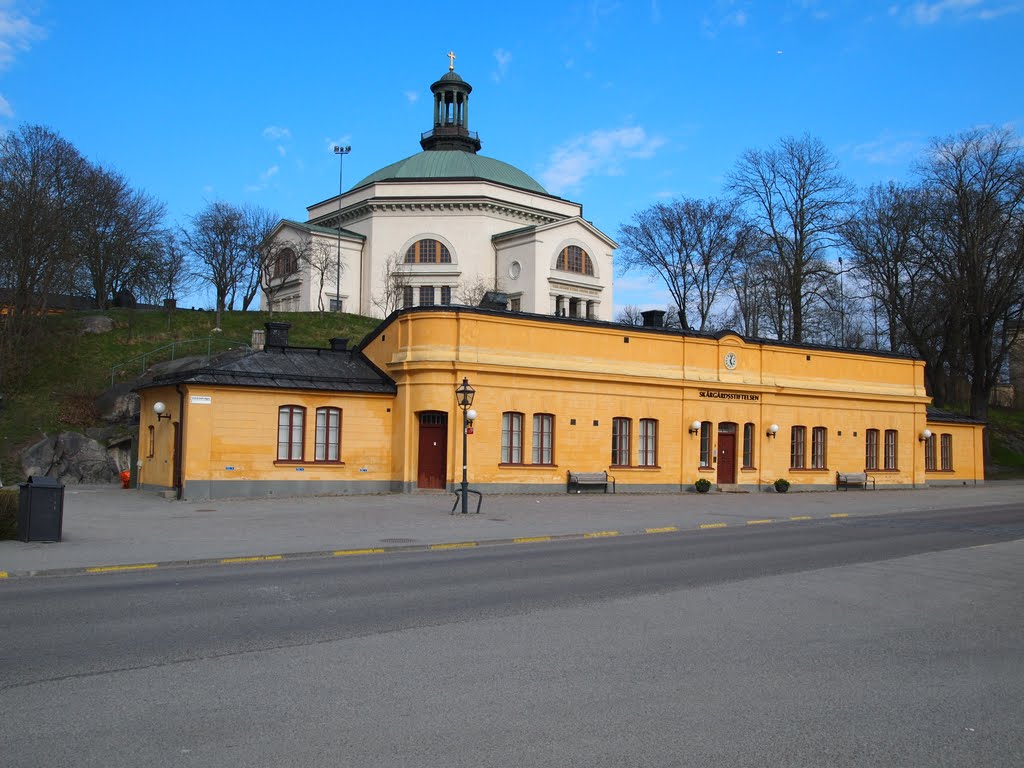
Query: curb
[428,547]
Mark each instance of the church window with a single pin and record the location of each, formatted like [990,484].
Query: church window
[426,295]
[286,263]
[446,294]
[407,296]
[575,259]
[428,252]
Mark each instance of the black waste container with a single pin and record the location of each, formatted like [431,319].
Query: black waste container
[40,509]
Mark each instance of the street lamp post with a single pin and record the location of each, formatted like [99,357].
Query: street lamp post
[340,152]
[464,396]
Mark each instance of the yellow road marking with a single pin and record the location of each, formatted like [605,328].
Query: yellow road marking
[801,517]
[714,525]
[531,539]
[666,529]
[454,545]
[759,522]
[109,568]
[599,534]
[346,552]
[840,514]
[252,559]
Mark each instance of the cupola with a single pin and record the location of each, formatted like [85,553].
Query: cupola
[451,114]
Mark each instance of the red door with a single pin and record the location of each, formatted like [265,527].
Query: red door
[726,458]
[432,469]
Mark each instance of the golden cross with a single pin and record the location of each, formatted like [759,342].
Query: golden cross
[451,61]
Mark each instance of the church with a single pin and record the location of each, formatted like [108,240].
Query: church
[443,226]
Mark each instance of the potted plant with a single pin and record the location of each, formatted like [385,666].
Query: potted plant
[703,485]
[781,485]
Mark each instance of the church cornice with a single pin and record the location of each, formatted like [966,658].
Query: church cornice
[473,204]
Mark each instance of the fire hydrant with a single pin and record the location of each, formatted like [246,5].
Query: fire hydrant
[126,478]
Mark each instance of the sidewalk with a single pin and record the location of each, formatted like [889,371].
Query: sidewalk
[107,526]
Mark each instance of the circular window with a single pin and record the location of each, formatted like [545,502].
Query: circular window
[514,270]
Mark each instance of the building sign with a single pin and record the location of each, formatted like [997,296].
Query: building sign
[201,399]
[713,395]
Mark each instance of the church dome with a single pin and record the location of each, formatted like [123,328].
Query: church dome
[450,148]
[454,164]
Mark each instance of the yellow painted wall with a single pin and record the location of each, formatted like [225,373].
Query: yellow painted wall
[585,375]
[234,435]
[593,374]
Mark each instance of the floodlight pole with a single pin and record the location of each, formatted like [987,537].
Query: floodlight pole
[340,152]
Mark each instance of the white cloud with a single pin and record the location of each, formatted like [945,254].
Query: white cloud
[503,58]
[275,132]
[412,96]
[885,150]
[928,13]
[265,178]
[597,153]
[17,33]
[5,108]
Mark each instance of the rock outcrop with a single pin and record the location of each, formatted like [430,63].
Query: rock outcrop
[71,458]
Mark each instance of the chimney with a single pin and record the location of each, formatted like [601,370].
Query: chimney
[653,318]
[277,334]
[339,345]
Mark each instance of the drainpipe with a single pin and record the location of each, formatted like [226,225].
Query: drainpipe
[179,464]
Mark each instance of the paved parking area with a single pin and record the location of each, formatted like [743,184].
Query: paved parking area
[109,526]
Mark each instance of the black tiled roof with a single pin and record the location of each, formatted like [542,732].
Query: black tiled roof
[945,417]
[286,368]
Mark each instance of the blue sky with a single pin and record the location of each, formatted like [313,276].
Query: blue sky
[616,105]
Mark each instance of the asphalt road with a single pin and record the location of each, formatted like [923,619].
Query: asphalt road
[862,641]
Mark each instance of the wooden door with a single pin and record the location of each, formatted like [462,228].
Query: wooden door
[726,458]
[432,466]
[176,458]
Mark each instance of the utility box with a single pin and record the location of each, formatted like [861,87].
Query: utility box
[40,509]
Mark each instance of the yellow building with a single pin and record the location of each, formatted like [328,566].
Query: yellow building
[656,408]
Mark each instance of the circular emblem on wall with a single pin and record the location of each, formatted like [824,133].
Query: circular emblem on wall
[730,360]
[514,270]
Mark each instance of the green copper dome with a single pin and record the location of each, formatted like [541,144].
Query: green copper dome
[453,164]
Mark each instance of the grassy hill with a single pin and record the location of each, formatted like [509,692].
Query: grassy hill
[69,370]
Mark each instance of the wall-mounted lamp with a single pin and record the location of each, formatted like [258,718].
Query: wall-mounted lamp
[160,410]
[773,430]
[925,435]
[695,428]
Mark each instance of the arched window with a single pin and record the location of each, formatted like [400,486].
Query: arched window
[575,259]
[286,263]
[428,252]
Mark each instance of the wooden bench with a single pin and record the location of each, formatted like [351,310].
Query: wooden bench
[578,479]
[846,479]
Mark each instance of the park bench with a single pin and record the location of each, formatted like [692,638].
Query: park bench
[846,479]
[579,479]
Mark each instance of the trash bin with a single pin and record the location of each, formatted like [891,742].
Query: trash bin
[40,509]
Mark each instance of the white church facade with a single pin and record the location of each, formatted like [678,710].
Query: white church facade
[440,227]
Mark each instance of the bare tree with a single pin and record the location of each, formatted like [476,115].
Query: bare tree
[798,201]
[975,244]
[173,274]
[279,259]
[321,257]
[40,189]
[117,234]
[257,224]
[471,292]
[394,281]
[689,244]
[40,192]
[630,315]
[217,240]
